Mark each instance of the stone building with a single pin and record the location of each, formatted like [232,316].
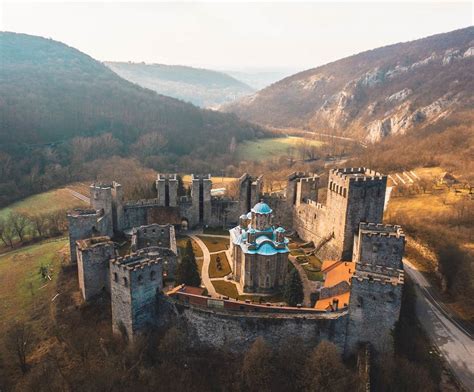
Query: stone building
[135,282]
[379,244]
[361,297]
[259,252]
[354,195]
[93,255]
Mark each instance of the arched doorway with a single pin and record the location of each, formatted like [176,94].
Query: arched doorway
[184,224]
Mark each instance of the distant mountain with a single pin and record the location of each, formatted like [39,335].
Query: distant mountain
[202,87]
[381,92]
[259,78]
[52,93]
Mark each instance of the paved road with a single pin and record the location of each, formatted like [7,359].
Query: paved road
[205,265]
[452,340]
[79,196]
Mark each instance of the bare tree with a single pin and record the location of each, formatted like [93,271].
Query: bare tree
[18,340]
[257,367]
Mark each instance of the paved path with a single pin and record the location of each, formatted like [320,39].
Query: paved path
[79,196]
[206,261]
[307,286]
[452,340]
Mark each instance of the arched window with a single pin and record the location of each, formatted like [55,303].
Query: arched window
[115,277]
[125,282]
[267,281]
[140,279]
[152,275]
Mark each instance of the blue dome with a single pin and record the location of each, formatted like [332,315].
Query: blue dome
[261,208]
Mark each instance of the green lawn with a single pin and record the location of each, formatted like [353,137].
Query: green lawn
[263,149]
[47,202]
[313,273]
[24,295]
[215,244]
[213,271]
[226,288]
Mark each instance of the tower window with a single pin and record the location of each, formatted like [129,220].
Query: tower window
[125,282]
[140,279]
[152,275]
[115,277]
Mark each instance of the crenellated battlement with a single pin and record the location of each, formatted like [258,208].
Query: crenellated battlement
[381,230]
[378,273]
[90,243]
[136,261]
[142,203]
[78,212]
[357,174]
[198,177]
[306,176]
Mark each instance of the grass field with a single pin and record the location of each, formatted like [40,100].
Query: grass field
[47,202]
[226,288]
[213,271]
[263,149]
[215,244]
[24,295]
[217,181]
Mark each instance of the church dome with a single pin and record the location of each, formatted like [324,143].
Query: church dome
[262,208]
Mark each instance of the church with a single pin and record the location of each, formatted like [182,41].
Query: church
[259,252]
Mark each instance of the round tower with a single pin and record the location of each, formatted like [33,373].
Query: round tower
[261,216]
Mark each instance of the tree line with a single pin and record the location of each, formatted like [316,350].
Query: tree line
[18,228]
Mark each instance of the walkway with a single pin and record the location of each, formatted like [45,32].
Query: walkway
[79,196]
[452,340]
[206,261]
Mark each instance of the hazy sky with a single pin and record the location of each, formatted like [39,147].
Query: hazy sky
[232,35]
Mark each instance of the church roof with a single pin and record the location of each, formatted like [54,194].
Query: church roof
[262,208]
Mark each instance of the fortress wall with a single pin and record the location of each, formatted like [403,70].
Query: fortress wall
[374,309]
[238,330]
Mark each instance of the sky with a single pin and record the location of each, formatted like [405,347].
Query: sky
[229,35]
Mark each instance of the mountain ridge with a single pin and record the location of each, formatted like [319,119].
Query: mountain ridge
[200,86]
[372,94]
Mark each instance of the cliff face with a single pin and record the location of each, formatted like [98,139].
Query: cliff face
[385,91]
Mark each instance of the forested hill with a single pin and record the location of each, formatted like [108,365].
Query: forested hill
[202,87]
[52,94]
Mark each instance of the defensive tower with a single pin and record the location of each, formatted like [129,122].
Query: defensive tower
[167,190]
[135,281]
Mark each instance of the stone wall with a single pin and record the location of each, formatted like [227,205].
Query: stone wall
[379,244]
[153,235]
[238,330]
[374,308]
[82,224]
[264,274]
[93,257]
[135,282]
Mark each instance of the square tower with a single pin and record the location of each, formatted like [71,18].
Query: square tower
[167,190]
[135,280]
[354,195]
[301,187]
[93,255]
[379,244]
[201,199]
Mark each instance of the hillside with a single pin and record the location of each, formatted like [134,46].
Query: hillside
[385,91]
[60,109]
[202,87]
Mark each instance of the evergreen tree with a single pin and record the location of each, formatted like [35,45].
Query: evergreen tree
[293,293]
[187,272]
